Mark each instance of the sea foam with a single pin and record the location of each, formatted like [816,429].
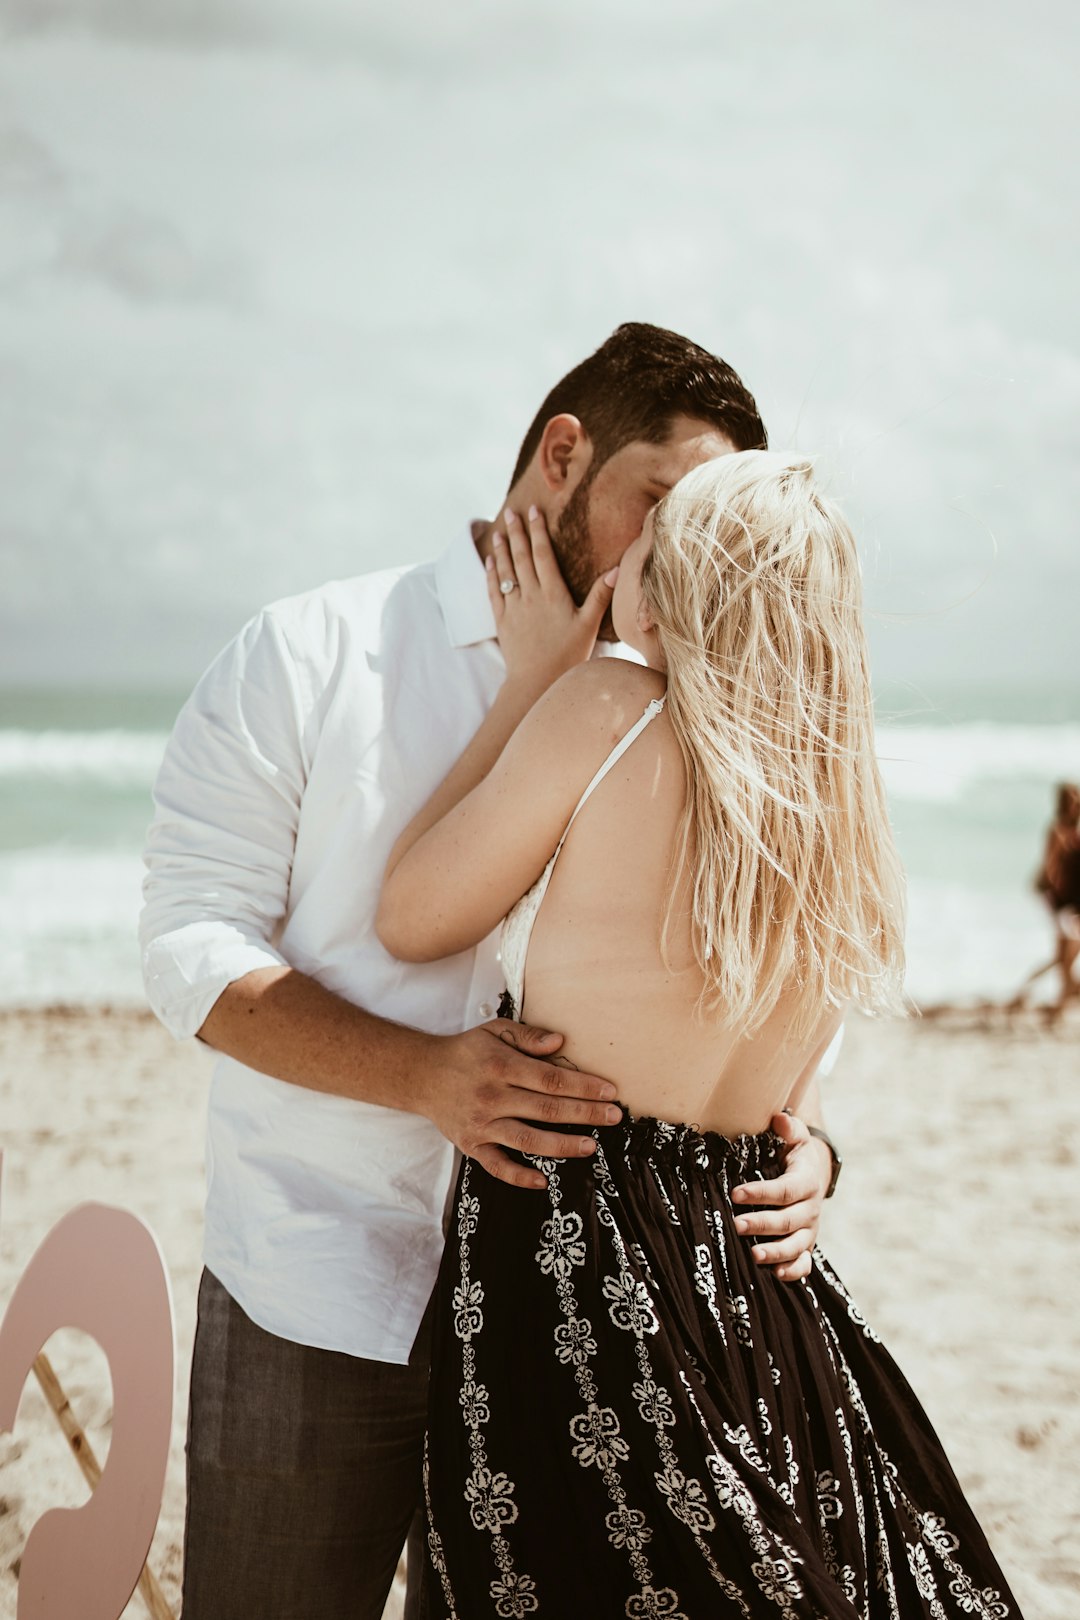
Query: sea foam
[942,763]
[918,762]
[124,758]
[70,897]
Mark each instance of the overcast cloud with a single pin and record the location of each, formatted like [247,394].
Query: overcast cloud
[283,285]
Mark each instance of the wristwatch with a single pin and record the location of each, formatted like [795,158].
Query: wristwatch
[837,1161]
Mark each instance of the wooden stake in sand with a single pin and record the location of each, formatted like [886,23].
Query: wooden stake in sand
[51,1387]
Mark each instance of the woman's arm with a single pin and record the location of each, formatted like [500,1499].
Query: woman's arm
[450,883]
[472,849]
[542,634]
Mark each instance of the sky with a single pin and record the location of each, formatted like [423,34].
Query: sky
[284,283]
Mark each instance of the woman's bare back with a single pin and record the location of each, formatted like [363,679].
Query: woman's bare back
[596,973]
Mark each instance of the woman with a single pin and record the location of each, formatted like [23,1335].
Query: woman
[629,1416]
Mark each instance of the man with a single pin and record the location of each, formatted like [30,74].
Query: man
[346,1078]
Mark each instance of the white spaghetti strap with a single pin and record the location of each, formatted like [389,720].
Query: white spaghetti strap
[518,926]
[613,758]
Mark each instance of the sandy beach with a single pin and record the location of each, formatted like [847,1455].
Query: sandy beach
[955,1226]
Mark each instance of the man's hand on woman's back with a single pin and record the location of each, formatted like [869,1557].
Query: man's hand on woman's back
[490,1089]
[496,1087]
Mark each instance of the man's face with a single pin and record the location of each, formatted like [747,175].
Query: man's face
[607,508]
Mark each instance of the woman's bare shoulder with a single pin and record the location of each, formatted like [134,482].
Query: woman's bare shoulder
[578,720]
[613,691]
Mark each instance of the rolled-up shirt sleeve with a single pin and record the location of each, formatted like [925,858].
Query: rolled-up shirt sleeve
[220,848]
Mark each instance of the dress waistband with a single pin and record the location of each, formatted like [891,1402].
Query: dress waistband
[659,1141]
[642,1136]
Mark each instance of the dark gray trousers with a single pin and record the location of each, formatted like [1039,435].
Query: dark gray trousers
[303,1473]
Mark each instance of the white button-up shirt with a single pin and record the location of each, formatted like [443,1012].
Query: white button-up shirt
[302,754]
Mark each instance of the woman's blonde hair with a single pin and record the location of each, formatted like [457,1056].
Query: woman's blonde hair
[754,587]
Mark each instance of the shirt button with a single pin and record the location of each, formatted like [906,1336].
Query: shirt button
[486,1009]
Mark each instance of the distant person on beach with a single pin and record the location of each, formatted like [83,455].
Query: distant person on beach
[1058,881]
[628,1416]
[346,1078]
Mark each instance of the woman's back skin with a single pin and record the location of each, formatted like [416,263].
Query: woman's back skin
[595,970]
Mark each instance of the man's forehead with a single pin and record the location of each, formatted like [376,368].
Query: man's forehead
[689,445]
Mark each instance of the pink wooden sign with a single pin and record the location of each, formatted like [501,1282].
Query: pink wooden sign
[100,1269]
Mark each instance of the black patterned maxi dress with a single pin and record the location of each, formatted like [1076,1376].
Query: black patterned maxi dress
[629,1418]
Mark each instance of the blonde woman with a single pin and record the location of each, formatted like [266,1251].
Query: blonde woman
[630,1416]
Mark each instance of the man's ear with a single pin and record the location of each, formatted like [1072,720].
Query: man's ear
[563,454]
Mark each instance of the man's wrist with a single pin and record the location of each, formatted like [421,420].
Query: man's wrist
[426,1061]
[834,1156]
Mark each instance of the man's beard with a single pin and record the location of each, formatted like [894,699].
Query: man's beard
[572,545]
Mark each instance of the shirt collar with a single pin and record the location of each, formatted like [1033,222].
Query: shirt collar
[461,585]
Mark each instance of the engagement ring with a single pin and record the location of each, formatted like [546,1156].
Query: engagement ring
[507,586]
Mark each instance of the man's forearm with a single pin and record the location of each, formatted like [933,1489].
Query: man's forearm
[474,1087]
[286,1025]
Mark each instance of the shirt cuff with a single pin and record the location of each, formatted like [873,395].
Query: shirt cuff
[185,972]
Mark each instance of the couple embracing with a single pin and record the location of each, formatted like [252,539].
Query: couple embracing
[521,895]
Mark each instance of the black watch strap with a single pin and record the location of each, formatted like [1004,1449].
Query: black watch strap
[837,1161]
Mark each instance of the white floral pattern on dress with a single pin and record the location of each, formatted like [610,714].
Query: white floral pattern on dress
[489,1494]
[686,1498]
[561,1246]
[514,1596]
[654,1404]
[574,1341]
[650,1604]
[629,1305]
[777,1582]
[633,1435]
[597,1439]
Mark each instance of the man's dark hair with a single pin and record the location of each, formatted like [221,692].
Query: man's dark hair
[634,385]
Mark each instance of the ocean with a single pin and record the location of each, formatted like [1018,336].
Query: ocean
[970,774]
